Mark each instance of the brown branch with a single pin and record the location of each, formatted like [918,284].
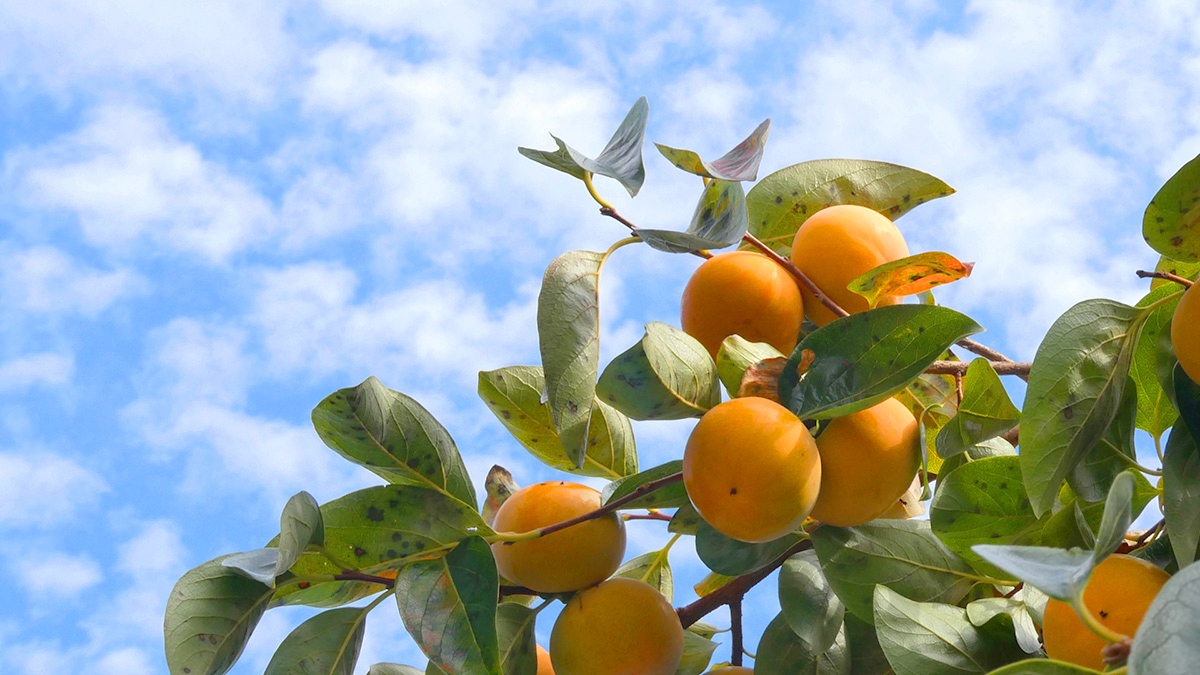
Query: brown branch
[960,368]
[735,627]
[795,272]
[355,575]
[506,591]
[734,590]
[982,350]
[646,516]
[1013,435]
[612,213]
[1167,276]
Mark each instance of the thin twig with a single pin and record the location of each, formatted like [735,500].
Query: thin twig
[735,589]
[1167,276]
[795,272]
[612,213]
[646,516]
[735,627]
[960,368]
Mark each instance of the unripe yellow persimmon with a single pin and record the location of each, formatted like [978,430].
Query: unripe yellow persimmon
[567,560]
[621,627]
[868,460]
[751,469]
[545,667]
[836,245]
[1185,333]
[742,293]
[1118,594]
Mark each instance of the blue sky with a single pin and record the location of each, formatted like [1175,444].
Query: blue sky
[212,215]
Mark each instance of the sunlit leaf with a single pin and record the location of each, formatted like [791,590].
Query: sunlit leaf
[985,412]
[394,669]
[697,653]
[982,502]
[736,355]
[983,610]
[1172,222]
[326,644]
[665,497]
[909,276]
[1155,413]
[654,568]
[259,565]
[1180,269]
[740,163]
[1118,516]
[211,612]
[1056,572]
[667,375]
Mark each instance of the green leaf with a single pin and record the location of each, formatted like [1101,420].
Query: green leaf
[807,602]
[697,652]
[1181,493]
[782,201]
[259,565]
[1056,572]
[685,521]
[621,158]
[1187,400]
[983,610]
[780,652]
[1068,528]
[395,438]
[1179,269]
[866,656]
[667,375]
[996,447]
[1168,640]
[731,557]
[985,412]
[736,355]
[1074,392]
[865,358]
[514,632]
[393,669]
[901,554]
[448,606]
[921,638]
[934,399]
[740,163]
[210,614]
[514,395]
[654,568]
[326,644]
[718,221]
[1155,413]
[1171,222]
[1118,516]
[665,497]
[299,525]
[1043,667]
[568,319]
[1092,477]
[982,502]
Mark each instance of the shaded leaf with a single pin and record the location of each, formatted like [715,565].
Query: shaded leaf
[807,602]
[665,497]
[667,375]
[621,158]
[685,521]
[782,201]
[980,612]
[731,557]
[782,652]
[866,656]
[740,163]
[326,644]
[259,565]
[909,276]
[718,221]
[865,358]
[934,400]
[985,412]
[393,669]
[982,502]
[1181,493]
[653,568]
[515,635]
[392,436]
[1168,640]
[1171,224]
[209,617]
[736,355]
[1155,413]
[1092,477]
[299,525]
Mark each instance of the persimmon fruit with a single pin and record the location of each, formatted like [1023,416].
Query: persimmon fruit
[621,627]
[544,665]
[1185,333]
[580,556]
[752,469]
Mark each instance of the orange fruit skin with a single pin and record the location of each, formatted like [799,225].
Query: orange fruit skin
[1118,594]
[1185,333]
[836,245]
[751,469]
[868,460]
[580,556]
[621,627]
[545,667]
[742,293]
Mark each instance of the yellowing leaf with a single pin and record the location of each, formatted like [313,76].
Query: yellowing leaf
[909,276]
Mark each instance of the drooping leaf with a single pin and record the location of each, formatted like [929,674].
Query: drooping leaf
[718,221]
[731,557]
[807,602]
[211,612]
[1118,516]
[697,653]
[1172,222]
[1056,572]
[1075,387]
[736,355]
[394,437]
[448,606]
[668,496]
[983,610]
[740,163]
[514,632]
[920,638]
[259,565]
[621,158]
[1181,493]
[866,656]
[667,375]
[865,358]
[514,395]
[904,555]
[781,202]
[1155,413]
[782,651]
[326,644]
[654,568]
[985,412]
[1168,639]
[299,525]
[909,276]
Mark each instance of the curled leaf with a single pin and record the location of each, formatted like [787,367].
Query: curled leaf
[910,276]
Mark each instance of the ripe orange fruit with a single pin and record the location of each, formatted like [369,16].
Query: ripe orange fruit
[568,560]
[839,243]
[1185,333]
[751,469]
[868,460]
[545,667]
[1118,594]
[742,293]
[621,627]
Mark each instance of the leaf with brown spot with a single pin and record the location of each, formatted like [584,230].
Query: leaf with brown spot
[1171,225]
[910,276]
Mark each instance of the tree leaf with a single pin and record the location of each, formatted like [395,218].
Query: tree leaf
[782,201]
[1181,493]
[1118,516]
[667,375]
[568,319]
[654,568]
[393,669]
[921,638]
[1187,400]
[515,634]
[1043,667]
[740,163]
[326,644]
[1075,387]
[983,610]
[1171,225]
[668,496]
[514,395]
[996,447]
[780,652]
[903,555]
[1168,640]
[392,436]
[718,221]
[448,606]
[1176,267]
[621,158]
[1155,413]
[299,525]
[210,614]
[865,358]
[909,276]
[1054,571]
[259,565]
[697,653]
[866,656]
[736,355]
[731,557]
[807,602]
[1092,477]
[685,520]
[985,412]
[934,400]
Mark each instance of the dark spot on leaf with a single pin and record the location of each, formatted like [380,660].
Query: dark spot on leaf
[1159,219]
[412,463]
[875,338]
[907,198]
[895,209]
[499,377]
[920,329]
[573,406]
[391,553]
[303,585]
[779,200]
[359,551]
[976,510]
[375,514]
[396,536]
[995,535]
[393,503]
[506,414]
[1176,241]
[1068,413]
[1004,486]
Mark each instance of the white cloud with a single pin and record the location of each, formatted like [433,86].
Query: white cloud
[452,26]
[52,576]
[45,279]
[44,369]
[41,489]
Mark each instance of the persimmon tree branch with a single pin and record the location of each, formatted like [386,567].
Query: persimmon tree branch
[960,368]
[795,272]
[734,590]
[1167,276]
[735,628]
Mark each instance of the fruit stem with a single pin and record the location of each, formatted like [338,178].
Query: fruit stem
[1093,623]
[612,213]
[587,180]
[1129,461]
[1186,283]
[795,272]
